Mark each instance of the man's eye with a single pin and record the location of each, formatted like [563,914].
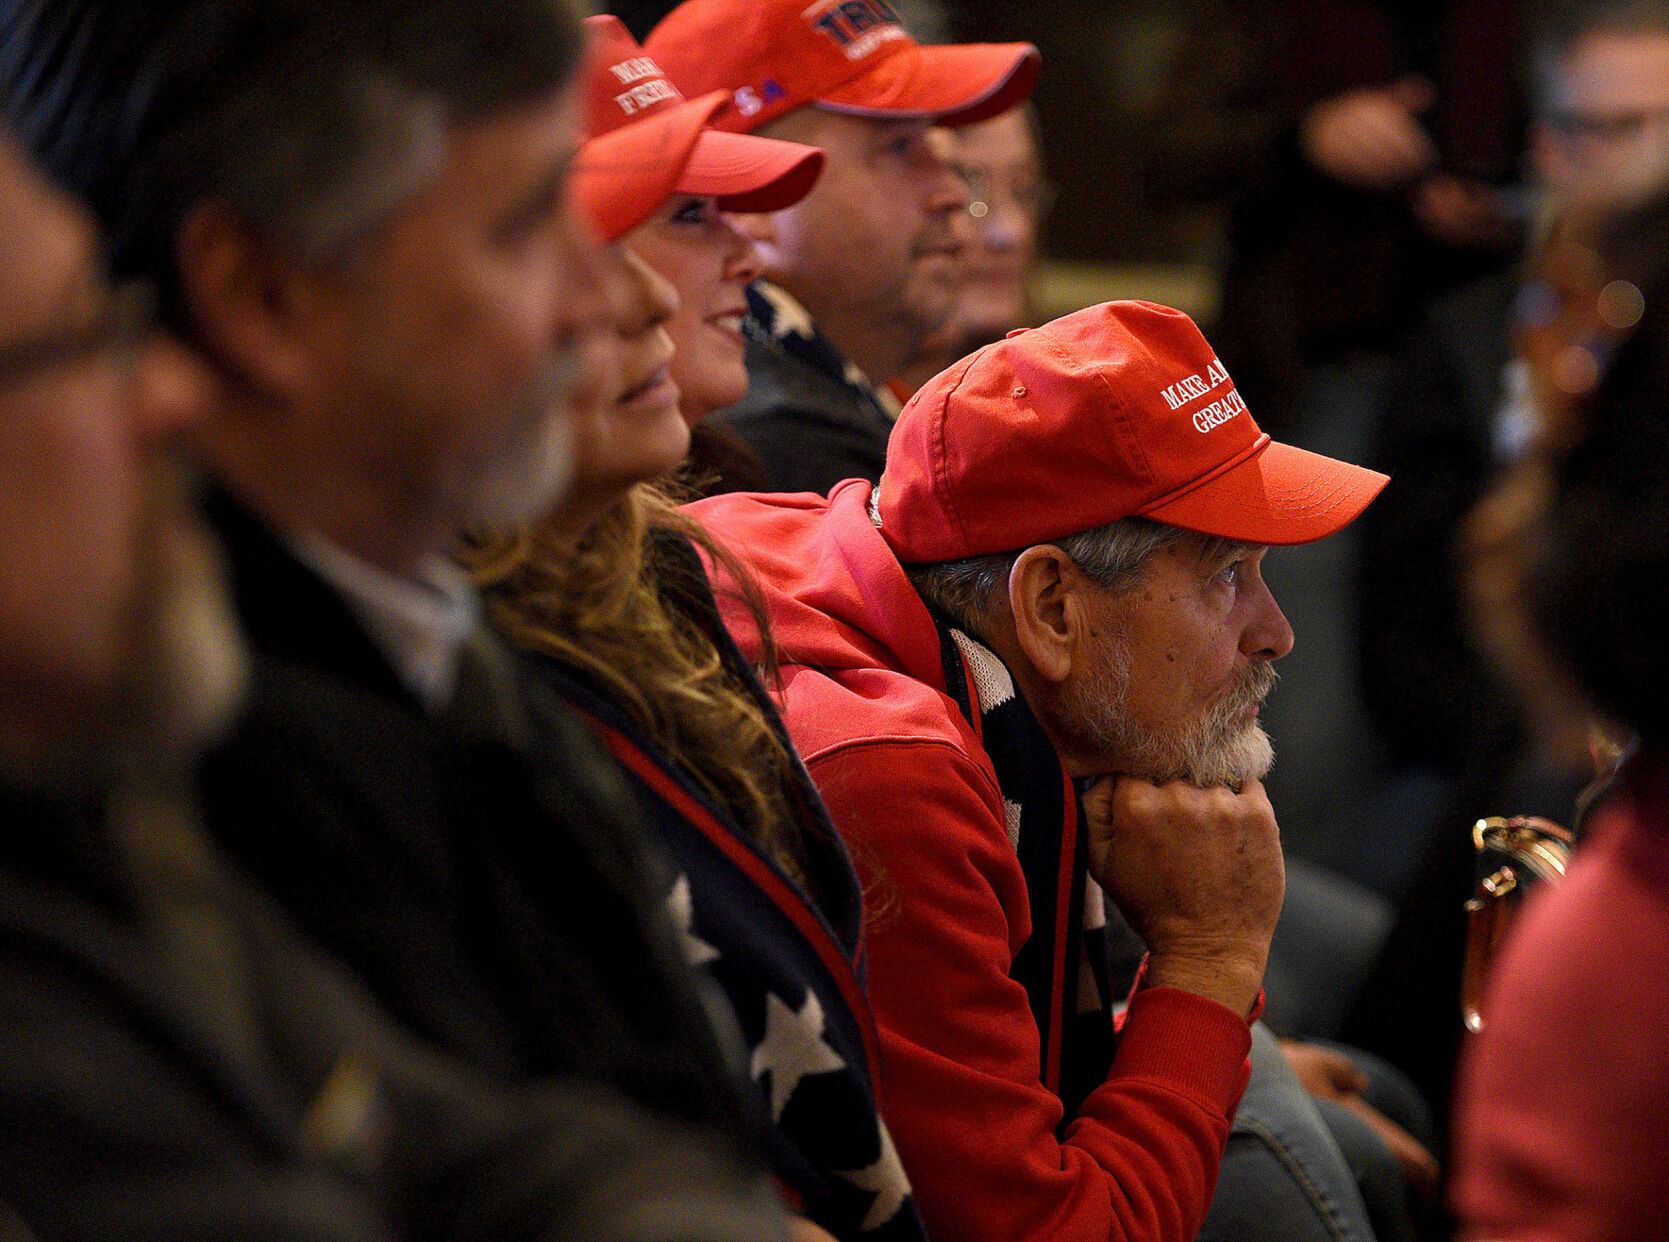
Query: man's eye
[1230,574]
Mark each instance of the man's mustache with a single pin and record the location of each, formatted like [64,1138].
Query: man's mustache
[1252,686]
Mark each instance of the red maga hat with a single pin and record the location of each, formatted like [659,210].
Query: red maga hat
[849,55]
[646,142]
[1121,410]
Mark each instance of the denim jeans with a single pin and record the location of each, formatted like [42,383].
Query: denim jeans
[1284,1178]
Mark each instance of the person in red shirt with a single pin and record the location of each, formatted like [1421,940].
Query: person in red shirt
[1560,1101]
[1024,671]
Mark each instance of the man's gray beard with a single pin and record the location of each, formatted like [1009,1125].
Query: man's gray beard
[1219,747]
[533,471]
[195,664]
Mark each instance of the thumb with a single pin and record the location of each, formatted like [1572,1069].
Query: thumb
[1413,93]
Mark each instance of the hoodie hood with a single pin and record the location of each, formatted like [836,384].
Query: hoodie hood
[852,635]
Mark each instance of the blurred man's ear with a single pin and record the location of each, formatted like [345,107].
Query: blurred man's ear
[246,301]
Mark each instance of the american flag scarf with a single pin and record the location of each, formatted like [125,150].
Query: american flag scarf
[1063,966]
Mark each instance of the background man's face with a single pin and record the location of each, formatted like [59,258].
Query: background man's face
[450,347]
[1608,137]
[86,533]
[875,238]
[1184,660]
[1005,176]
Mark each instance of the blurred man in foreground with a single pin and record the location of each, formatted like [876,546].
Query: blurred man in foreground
[402,310]
[176,1062]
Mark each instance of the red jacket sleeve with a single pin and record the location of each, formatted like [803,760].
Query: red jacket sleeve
[962,1093]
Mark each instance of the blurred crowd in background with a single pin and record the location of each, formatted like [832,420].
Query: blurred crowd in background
[468,839]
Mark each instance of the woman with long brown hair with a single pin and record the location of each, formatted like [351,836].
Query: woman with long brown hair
[610,600]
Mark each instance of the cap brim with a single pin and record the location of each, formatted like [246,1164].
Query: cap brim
[955,84]
[748,173]
[622,176]
[1281,495]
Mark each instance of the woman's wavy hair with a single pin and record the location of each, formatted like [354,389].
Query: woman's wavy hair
[598,606]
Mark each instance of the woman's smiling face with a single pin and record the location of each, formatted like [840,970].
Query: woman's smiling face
[692,244]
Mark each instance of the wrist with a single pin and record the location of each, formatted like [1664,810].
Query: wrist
[1231,981]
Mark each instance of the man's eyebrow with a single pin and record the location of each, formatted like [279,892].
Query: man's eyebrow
[906,125]
[1214,548]
[543,198]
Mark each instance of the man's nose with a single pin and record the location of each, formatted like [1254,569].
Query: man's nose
[1268,634]
[946,189]
[1005,224]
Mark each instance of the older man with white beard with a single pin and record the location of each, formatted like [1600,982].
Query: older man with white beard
[1025,670]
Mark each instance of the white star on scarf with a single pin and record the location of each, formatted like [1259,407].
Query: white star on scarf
[681,907]
[992,680]
[789,317]
[884,1179]
[792,1049]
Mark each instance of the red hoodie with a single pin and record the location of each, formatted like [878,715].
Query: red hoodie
[917,801]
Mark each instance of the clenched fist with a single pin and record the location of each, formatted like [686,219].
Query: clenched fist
[1199,876]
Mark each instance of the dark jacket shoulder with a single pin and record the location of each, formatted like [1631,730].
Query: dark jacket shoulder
[808,428]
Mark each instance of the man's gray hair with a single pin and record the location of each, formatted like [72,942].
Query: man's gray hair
[313,122]
[970,591]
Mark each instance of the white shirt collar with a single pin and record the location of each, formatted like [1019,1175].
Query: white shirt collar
[420,623]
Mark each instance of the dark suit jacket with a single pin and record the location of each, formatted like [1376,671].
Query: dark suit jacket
[806,422]
[177,1065]
[483,872]
[805,426]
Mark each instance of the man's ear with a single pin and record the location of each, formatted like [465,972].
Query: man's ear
[1045,599]
[242,295]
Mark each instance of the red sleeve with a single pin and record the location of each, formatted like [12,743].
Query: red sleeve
[962,1093]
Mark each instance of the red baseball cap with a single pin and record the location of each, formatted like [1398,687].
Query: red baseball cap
[855,56]
[1119,410]
[645,142]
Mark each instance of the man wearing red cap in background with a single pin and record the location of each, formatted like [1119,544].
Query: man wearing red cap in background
[862,270]
[1024,669]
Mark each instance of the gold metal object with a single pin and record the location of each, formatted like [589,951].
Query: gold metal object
[1515,853]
